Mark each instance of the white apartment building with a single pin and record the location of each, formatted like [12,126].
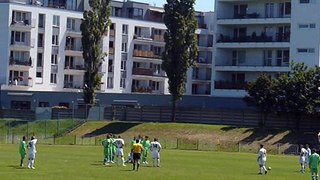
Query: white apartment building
[255,36]
[41,48]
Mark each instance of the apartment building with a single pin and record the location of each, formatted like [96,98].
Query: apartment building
[255,36]
[41,48]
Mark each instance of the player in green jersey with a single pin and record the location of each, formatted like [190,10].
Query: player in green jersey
[22,150]
[146,146]
[314,161]
[106,149]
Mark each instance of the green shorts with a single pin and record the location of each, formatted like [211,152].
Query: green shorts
[314,170]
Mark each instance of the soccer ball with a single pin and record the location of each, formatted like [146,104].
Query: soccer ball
[269,168]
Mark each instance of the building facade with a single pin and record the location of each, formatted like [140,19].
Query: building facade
[262,36]
[41,48]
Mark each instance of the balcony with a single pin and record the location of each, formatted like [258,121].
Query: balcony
[72,50]
[144,54]
[230,85]
[77,69]
[148,72]
[71,85]
[73,33]
[159,38]
[17,62]
[26,45]
[142,71]
[112,32]
[22,25]
[111,50]
[141,89]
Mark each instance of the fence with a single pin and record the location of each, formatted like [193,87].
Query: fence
[244,118]
[174,143]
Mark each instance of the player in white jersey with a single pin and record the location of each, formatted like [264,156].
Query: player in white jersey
[302,158]
[119,152]
[308,154]
[155,147]
[262,158]
[32,152]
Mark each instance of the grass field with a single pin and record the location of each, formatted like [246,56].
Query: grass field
[85,162]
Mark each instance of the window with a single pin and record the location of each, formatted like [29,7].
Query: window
[55,40]
[283,58]
[269,10]
[123,82]
[285,9]
[238,57]
[41,21]
[20,105]
[39,74]
[305,50]
[123,65]
[124,47]
[303,26]
[71,23]
[125,29]
[116,11]
[267,56]
[39,60]
[17,36]
[304,1]
[40,40]
[306,26]
[110,82]
[53,78]
[137,12]
[56,20]
[110,65]
[54,59]
[43,104]
[155,86]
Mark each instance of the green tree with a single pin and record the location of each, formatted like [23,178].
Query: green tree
[261,94]
[94,26]
[294,92]
[181,46]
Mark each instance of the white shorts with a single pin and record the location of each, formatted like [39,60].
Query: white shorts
[302,160]
[32,155]
[262,162]
[119,152]
[155,155]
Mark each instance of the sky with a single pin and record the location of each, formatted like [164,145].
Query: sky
[201,5]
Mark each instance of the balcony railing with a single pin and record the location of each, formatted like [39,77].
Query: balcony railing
[230,85]
[142,71]
[141,89]
[146,54]
[76,67]
[20,62]
[112,32]
[159,38]
[72,48]
[253,15]
[280,37]
[111,50]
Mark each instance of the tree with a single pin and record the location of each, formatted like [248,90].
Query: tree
[93,27]
[261,94]
[294,91]
[181,46]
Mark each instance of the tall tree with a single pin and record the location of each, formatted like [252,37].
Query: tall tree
[295,91]
[261,94]
[94,25]
[181,46]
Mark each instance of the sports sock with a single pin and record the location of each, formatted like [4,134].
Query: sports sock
[21,162]
[134,166]
[122,160]
[158,162]
[138,166]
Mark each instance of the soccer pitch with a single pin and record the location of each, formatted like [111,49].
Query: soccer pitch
[85,162]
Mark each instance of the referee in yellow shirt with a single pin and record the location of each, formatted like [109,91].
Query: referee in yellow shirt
[137,148]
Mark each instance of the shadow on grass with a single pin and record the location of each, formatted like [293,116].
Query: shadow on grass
[114,128]
[16,167]
[229,128]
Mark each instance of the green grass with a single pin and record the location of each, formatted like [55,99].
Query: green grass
[41,127]
[85,162]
